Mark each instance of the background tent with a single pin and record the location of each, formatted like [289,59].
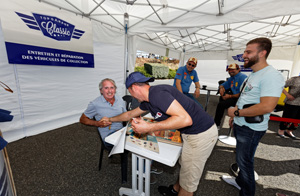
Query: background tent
[47,97]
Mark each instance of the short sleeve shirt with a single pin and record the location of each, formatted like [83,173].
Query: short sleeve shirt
[160,99]
[186,78]
[234,83]
[99,108]
[267,82]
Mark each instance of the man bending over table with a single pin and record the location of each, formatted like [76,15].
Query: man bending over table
[173,110]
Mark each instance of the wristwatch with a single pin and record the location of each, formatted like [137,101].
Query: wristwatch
[236,112]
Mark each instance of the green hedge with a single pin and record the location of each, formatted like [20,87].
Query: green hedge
[157,70]
[171,74]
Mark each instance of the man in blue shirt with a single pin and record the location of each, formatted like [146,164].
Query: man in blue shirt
[229,91]
[184,78]
[108,104]
[173,110]
[258,98]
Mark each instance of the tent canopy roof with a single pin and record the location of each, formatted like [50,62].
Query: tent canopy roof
[195,25]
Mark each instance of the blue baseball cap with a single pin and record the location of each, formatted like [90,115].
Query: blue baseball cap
[137,77]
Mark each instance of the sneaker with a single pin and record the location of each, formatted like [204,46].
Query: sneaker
[235,170]
[231,180]
[167,191]
[156,170]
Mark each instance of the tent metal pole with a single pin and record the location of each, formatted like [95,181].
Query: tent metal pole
[20,100]
[126,21]
[182,57]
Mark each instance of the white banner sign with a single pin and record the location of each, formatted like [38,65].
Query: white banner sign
[38,34]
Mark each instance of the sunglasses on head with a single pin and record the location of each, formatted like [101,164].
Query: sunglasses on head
[190,64]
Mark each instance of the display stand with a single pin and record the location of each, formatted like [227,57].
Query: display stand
[168,155]
[138,177]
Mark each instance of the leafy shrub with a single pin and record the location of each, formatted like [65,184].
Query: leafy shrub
[172,73]
[143,71]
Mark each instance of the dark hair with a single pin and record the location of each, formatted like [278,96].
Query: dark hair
[263,44]
[141,83]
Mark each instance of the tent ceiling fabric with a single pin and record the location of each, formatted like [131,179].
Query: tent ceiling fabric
[196,25]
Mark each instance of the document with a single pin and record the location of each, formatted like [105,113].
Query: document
[119,141]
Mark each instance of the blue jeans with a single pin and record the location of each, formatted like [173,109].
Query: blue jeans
[247,142]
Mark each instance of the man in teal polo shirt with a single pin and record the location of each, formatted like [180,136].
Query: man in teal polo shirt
[184,78]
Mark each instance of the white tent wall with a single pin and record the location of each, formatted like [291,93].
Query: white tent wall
[9,101]
[151,47]
[211,71]
[131,53]
[282,53]
[50,97]
[296,63]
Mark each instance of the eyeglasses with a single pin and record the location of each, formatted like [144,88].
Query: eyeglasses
[190,64]
[6,87]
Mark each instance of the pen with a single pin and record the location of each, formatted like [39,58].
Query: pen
[134,120]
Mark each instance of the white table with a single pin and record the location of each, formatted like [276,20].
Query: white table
[228,139]
[168,155]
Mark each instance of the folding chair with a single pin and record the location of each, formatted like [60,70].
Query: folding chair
[124,159]
[131,103]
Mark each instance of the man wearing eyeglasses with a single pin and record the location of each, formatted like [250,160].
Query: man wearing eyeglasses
[184,78]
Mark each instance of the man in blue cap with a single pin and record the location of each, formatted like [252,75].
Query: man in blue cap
[185,76]
[173,110]
[229,91]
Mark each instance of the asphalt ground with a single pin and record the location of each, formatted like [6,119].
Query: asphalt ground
[64,162]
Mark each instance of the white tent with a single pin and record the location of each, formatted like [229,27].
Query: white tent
[48,97]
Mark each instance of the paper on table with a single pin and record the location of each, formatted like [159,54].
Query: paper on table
[120,141]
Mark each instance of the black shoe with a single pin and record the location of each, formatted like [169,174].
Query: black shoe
[167,191]
[235,169]
[281,136]
[291,136]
